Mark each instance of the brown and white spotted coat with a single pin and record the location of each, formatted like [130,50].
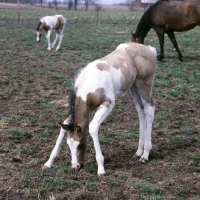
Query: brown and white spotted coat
[48,23]
[130,67]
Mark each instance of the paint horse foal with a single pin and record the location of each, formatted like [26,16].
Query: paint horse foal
[130,67]
[49,23]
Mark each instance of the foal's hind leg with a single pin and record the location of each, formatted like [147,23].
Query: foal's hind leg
[145,109]
[149,116]
[172,37]
[140,110]
[60,36]
[54,42]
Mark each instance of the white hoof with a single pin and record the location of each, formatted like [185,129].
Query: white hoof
[45,168]
[143,160]
[101,174]
[49,49]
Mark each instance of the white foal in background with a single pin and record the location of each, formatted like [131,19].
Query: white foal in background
[130,67]
[49,23]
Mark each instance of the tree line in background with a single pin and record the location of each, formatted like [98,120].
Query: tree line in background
[74,3]
[70,3]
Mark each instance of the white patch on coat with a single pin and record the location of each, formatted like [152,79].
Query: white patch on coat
[153,49]
[99,78]
[73,144]
[122,46]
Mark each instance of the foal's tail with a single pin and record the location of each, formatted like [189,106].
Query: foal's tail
[153,49]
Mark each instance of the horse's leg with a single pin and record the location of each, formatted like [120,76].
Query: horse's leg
[140,110]
[54,42]
[172,37]
[145,111]
[101,113]
[60,40]
[48,39]
[160,34]
[149,116]
[57,147]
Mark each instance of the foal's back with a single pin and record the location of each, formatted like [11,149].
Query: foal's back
[117,72]
[52,21]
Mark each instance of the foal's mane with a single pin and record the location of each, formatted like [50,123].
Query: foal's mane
[71,103]
[39,24]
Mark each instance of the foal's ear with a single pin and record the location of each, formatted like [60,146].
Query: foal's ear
[67,127]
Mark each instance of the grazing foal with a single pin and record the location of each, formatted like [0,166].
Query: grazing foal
[49,23]
[130,67]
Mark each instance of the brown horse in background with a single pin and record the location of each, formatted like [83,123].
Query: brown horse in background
[167,16]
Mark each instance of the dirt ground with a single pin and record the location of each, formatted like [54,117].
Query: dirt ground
[28,132]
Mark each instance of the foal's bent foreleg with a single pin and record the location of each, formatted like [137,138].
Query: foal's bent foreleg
[56,149]
[99,117]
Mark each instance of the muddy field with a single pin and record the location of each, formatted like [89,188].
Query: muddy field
[34,86]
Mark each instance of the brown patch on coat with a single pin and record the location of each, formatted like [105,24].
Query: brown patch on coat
[103,67]
[97,98]
[137,64]
[43,26]
[60,23]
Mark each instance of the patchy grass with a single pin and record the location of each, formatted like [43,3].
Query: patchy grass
[34,88]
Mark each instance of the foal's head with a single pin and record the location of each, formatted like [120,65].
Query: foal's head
[76,126]
[77,143]
[38,34]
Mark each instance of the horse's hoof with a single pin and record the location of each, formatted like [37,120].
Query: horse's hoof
[80,167]
[135,157]
[44,168]
[143,160]
[101,174]
[159,59]
[49,49]
[181,59]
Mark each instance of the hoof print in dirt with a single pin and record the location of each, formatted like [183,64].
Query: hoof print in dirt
[16,159]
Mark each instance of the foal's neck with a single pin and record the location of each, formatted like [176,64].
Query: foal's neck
[82,113]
